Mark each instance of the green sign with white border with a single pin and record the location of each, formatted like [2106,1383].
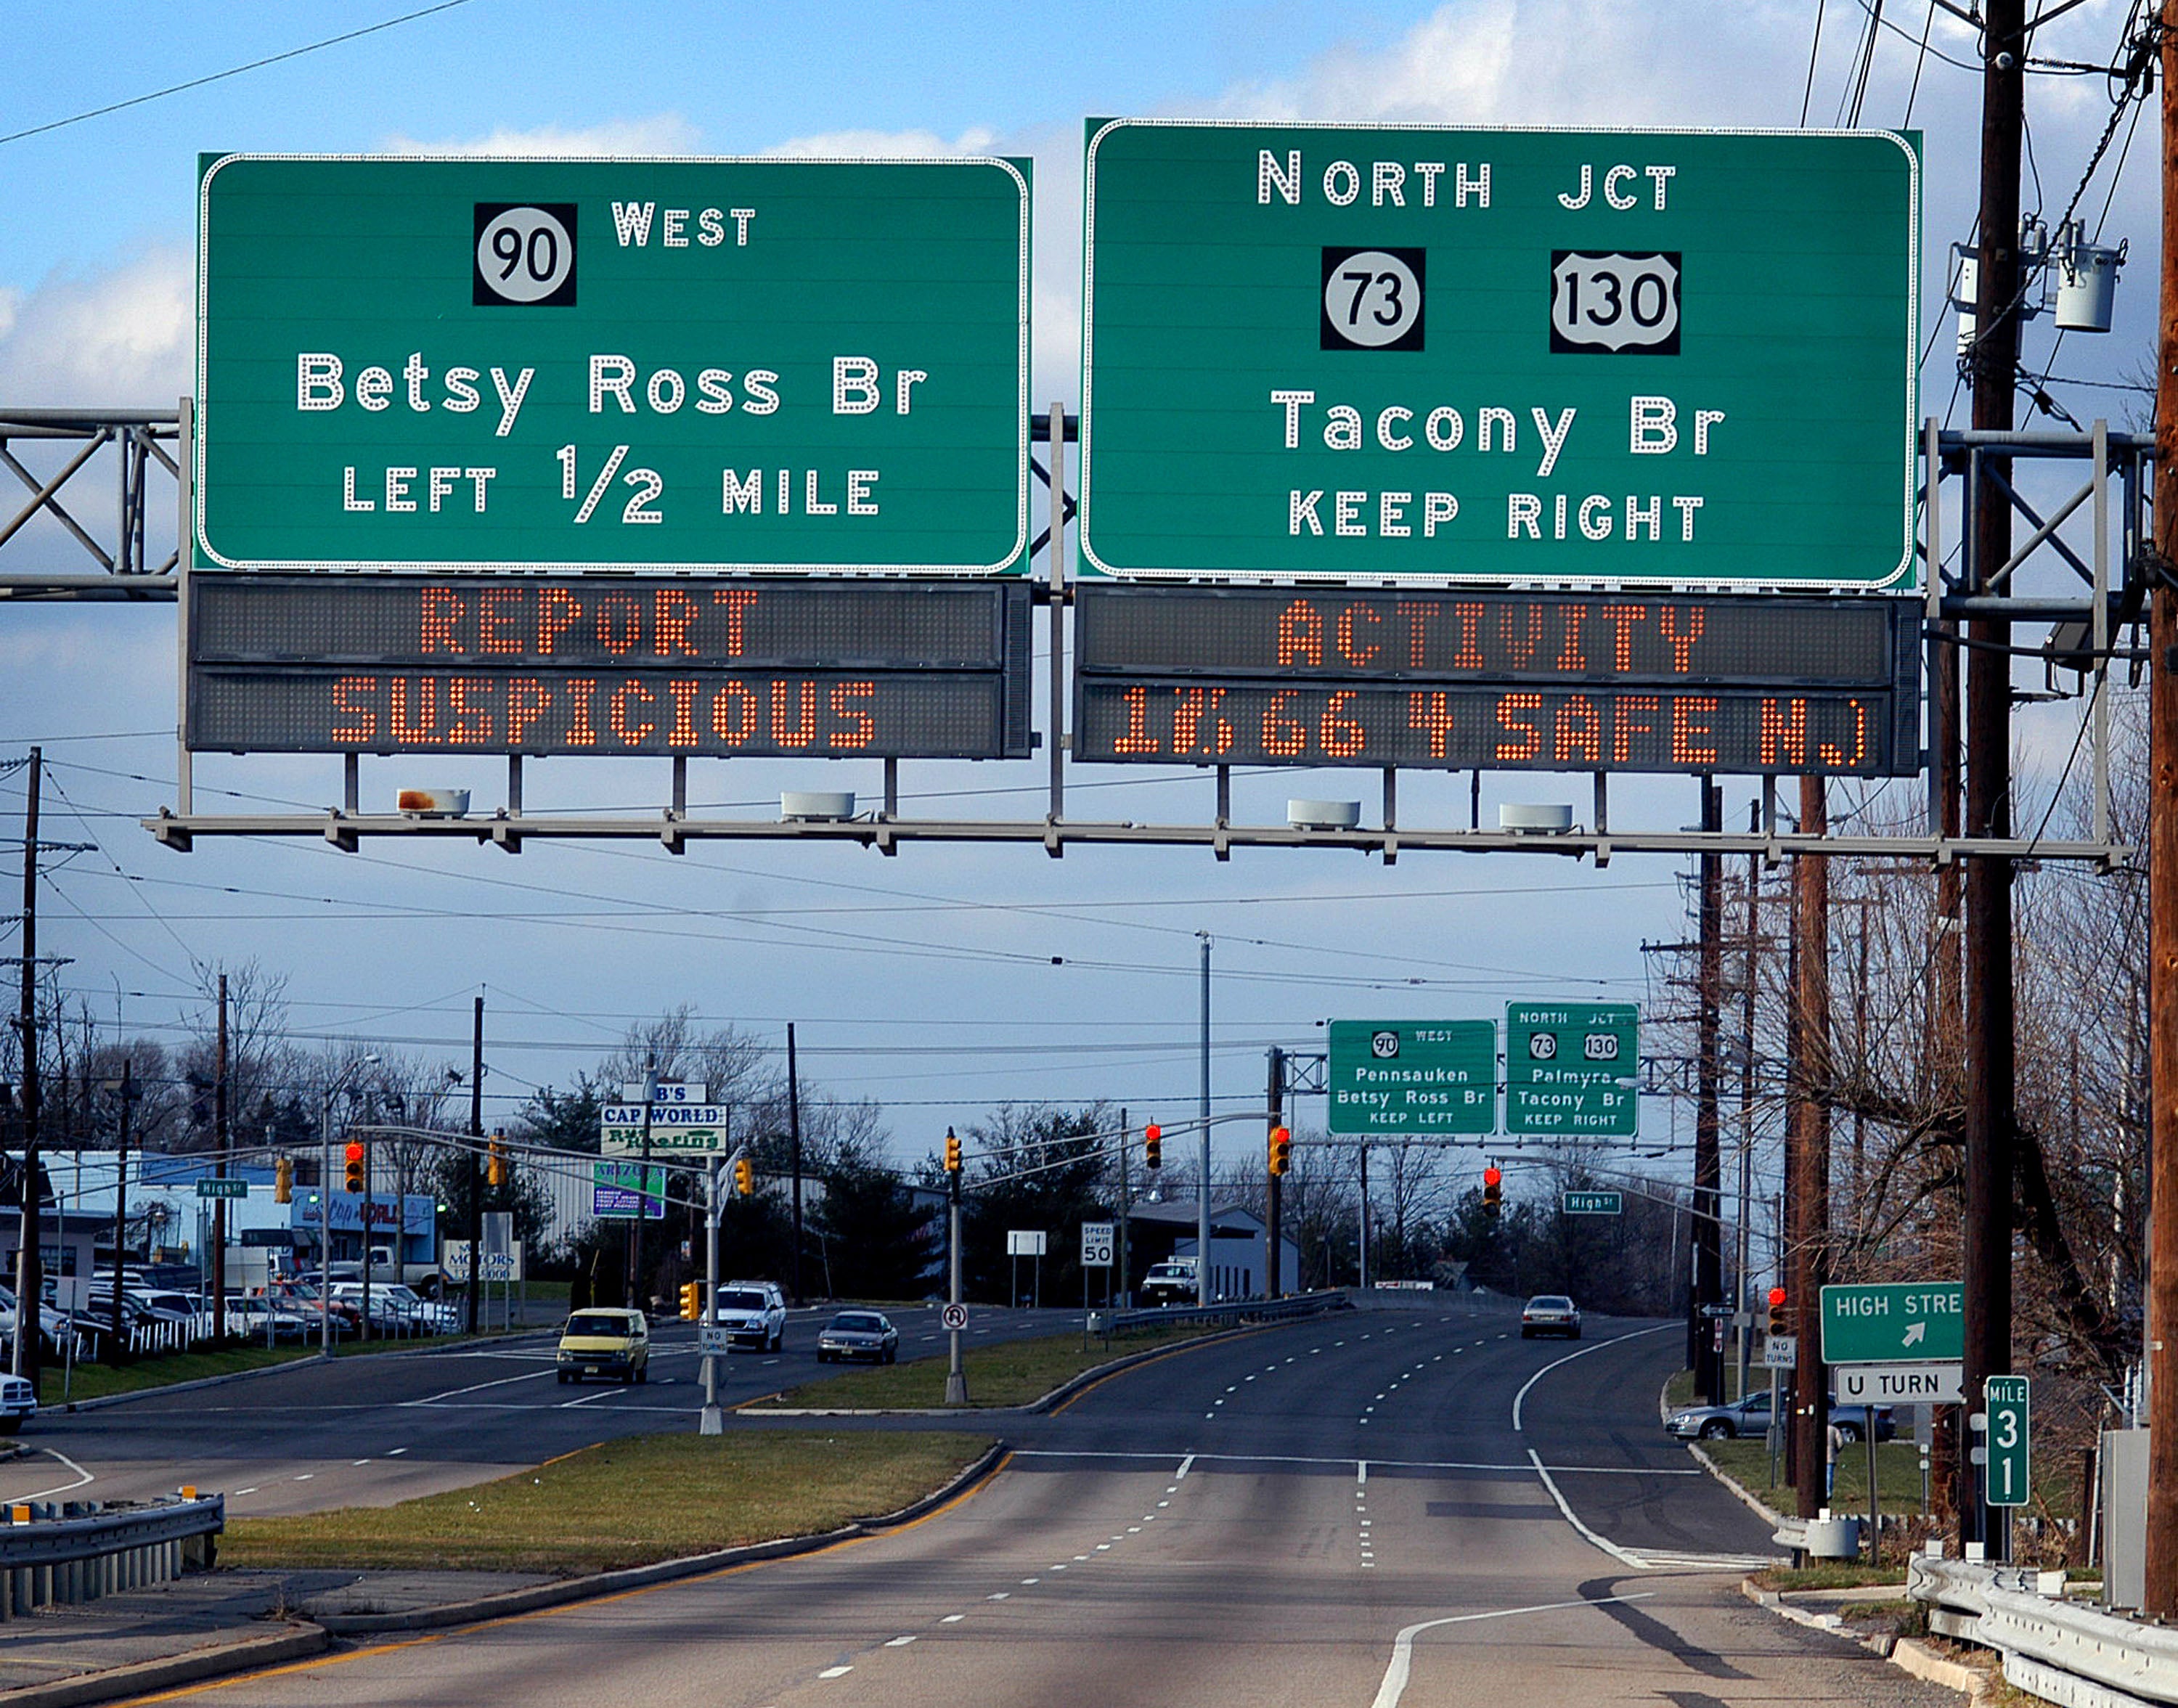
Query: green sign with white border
[1570,1068]
[1577,356]
[1894,1323]
[1592,1203]
[761,364]
[1412,1078]
[2004,1463]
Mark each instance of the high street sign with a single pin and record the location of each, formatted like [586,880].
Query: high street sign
[1570,1067]
[217,1187]
[1613,1204]
[1411,1078]
[1573,356]
[1894,1321]
[777,364]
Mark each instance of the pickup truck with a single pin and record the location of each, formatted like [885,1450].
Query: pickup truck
[1170,1283]
[1751,1416]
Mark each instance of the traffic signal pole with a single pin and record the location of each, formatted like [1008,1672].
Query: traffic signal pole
[712,1423]
[476,1145]
[956,1378]
[1272,1289]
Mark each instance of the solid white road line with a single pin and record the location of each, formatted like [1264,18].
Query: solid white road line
[1603,1542]
[1403,1646]
[82,1476]
[1600,1346]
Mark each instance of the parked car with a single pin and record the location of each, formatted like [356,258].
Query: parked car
[599,1342]
[19,1401]
[1170,1283]
[1751,1416]
[395,1307]
[858,1334]
[257,1317]
[1550,1313]
[754,1313]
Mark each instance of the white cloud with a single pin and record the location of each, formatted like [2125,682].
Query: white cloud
[108,340]
[883,145]
[663,132]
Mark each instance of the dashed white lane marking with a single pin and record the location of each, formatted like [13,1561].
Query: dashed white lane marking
[1403,1646]
[395,1452]
[306,1476]
[899,1642]
[358,1461]
[952,1618]
[835,1671]
[241,1492]
[1003,1595]
[1025,1581]
[1104,1547]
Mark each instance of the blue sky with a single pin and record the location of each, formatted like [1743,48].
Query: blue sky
[924,982]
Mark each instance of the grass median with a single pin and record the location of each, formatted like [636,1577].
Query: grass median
[1010,1372]
[623,1503]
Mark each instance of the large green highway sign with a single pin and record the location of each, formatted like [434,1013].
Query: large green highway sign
[768,364]
[1569,1069]
[1894,1321]
[1411,1079]
[1515,355]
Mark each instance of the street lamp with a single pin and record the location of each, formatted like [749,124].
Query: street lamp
[338,1084]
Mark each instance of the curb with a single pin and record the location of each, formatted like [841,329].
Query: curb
[1774,1520]
[574,1590]
[294,1643]
[1912,1655]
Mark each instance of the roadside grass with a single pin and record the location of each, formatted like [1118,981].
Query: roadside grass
[96,1381]
[1012,1372]
[1897,1471]
[1833,1574]
[624,1503]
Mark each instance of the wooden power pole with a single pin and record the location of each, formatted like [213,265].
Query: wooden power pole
[2159,1597]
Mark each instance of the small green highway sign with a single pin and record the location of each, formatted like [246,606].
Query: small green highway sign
[1894,1322]
[212,1186]
[2004,1479]
[476,363]
[1592,1203]
[1569,1069]
[1576,356]
[1410,1078]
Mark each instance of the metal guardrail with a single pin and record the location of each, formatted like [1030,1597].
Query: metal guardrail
[2081,1656]
[78,1551]
[1233,1310]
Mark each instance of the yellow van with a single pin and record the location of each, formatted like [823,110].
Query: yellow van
[605,1343]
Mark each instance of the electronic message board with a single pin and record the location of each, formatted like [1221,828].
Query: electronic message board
[607,665]
[755,364]
[1744,684]
[1565,356]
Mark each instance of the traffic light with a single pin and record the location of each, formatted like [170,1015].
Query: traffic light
[1153,1145]
[1778,1325]
[1493,1190]
[495,1168]
[1281,1149]
[745,1177]
[691,1301]
[283,1181]
[357,1179]
[952,1152]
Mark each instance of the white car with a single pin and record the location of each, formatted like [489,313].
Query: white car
[18,1400]
[754,1313]
[1550,1313]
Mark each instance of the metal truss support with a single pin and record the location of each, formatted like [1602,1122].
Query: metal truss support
[55,454]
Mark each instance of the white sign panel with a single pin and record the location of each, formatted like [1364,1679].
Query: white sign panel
[954,1316]
[1901,1384]
[674,1127]
[498,1266]
[1024,1242]
[1780,1352]
[667,1092]
[1096,1244]
[714,1337]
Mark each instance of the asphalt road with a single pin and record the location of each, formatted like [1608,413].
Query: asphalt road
[372,1430]
[1375,1509]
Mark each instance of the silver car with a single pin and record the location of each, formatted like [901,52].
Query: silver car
[1550,1313]
[858,1334]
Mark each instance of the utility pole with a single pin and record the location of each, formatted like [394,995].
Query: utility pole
[1744,1297]
[476,1174]
[1276,1104]
[1125,1285]
[1708,1362]
[29,1284]
[2160,1597]
[794,1156]
[121,1201]
[1202,1184]
[1987,1136]
[220,1138]
[1808,1209]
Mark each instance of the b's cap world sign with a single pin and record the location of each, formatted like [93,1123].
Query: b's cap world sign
[791,365]
[1682,357]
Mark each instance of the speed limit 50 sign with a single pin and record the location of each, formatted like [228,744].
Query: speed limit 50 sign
[1097,1245]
